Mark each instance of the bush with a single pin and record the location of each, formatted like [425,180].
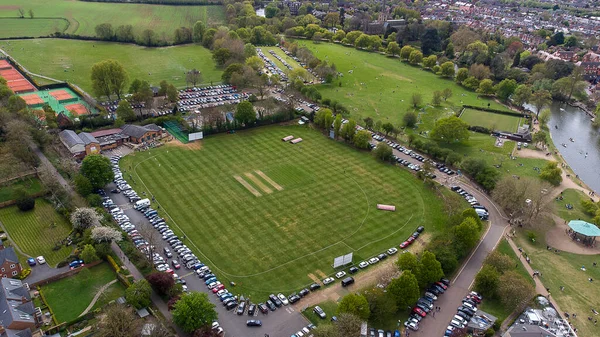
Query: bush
[113,264]
[24,273]
[23,200]
[63,263]
[94,200]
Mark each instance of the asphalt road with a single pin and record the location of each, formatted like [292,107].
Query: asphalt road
[462,282]
[282,322]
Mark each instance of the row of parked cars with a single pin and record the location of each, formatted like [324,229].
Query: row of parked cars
[271,66]
[464,313]
[304,65]
[122,185]
[111,106]
[481,210]
[425,304]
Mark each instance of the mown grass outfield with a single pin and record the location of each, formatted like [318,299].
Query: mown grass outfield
[288,238]
[12,27]
[490,120]
[37,231]
[83,16]
[381,87]
[72,60]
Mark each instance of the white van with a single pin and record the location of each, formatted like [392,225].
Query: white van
[140,204]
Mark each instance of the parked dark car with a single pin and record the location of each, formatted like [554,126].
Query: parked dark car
[353,270]
[231,305]
[314,286]
[271,305]
[294,298]
[303,292]
[253,322]
[251,309]
[263,308]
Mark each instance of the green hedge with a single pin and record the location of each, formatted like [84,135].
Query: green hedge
[496,111]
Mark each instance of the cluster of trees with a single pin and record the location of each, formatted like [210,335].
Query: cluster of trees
[322,68]
[463,232]
[498,280]
[591,208]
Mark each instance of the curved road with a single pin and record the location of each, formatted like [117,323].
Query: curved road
[462,282]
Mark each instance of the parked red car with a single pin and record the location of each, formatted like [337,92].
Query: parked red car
[217,288]
[442,285]
[419,312]
[404,244]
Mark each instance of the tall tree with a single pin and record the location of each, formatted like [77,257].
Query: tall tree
[245,114]
[355,304]
[552,173]
[408,261]
[85,217]
[450,129]
[466,235]
[540,99]
[97,169]
[505,89]
[515,289]
[125,112]
[105,31]
[431,269]
[487,280]
[416,99]
[109,77]
[337,125]
[193,310]
[404,289]
[447,69]
[198,33]
[138,294]
[521,95]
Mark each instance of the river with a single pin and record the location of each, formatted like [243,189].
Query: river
[569,122]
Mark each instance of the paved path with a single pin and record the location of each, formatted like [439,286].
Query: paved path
[97,296]
[462,282]
[53,170]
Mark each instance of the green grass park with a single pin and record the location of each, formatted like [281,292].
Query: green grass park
[490,120]
[564,269]
[36,232]
[31,185]
[381,87]
[15,27]
[284,239]
[81,17]
[72,60]
[70,296]
[573,197]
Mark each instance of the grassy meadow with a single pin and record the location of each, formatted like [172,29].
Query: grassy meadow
[82,17]
[36,232]
[15,27]
[72,60]
[31,184]
[317,201]
[381,87]
[564,269]
[490,120]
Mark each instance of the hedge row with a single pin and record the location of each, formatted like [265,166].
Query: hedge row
[496,111]
[113,264]
[39,289]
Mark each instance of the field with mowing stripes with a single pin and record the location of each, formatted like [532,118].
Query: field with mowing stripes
[36,232]
[490,120]
[271,216]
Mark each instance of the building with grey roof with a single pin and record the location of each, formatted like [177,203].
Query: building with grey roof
[9,262]
[18,315]
[80,145]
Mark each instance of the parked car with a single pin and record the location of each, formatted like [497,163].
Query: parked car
[31,261]
[76,264]
[363,264]
[283,299]
[340,274]
[253,322]
[251,309]
[263,308]
[241,308]
[271,305]
[40,259]
[328,280]
[320,312]
[175,264]
[314,286]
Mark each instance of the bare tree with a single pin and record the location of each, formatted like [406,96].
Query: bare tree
[193,76]
[118,321]
[21,13]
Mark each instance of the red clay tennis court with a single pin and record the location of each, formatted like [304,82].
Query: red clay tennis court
[61,95]
[20,86]
[5,65]
[77,109]
[33,99]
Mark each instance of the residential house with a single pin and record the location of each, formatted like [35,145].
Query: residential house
[9,262]
[139,134]
[18,316]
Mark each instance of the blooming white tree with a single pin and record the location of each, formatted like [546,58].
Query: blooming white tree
[106,234]
[84,218]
